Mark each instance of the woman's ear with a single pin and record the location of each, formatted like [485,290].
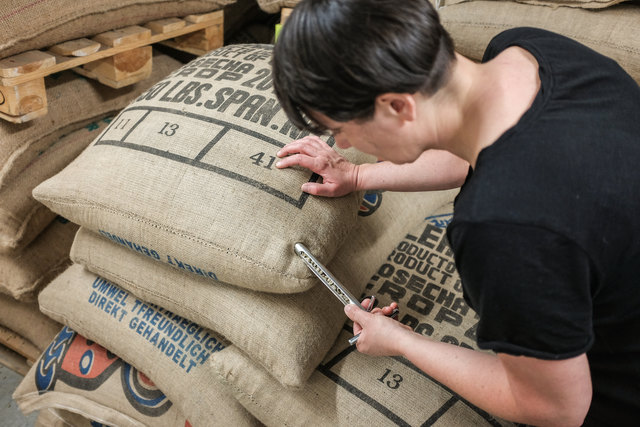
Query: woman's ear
[397,105]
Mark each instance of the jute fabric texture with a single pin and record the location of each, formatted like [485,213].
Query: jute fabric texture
[350,388]
[79,375]
[29,24]
[171,350]
[74,103]
[25,272]
[187,173]
[613,32]
[287,334]
[274,6]
[581,4]
[26,320]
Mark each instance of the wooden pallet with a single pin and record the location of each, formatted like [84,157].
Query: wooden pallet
[284,14]
[13,361]
[116,58]
[15,342]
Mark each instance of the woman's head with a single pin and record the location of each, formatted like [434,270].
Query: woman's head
[336,56]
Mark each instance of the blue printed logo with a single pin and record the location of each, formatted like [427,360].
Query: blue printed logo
[51,360]
[85,365]
[370,203]
[142,393]
[440,221]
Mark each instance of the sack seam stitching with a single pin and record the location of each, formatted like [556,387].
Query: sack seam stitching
[180,233]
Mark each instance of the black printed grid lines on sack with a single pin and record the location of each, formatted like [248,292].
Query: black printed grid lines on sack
[21,216]
[349,388]
[74,103]
[186,174]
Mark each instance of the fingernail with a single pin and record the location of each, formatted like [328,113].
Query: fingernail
[348,308]
[278,164]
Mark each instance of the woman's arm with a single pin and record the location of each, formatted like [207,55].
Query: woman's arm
[433,170]
[520,389]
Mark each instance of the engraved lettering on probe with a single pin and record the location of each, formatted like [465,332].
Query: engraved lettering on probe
[327,279]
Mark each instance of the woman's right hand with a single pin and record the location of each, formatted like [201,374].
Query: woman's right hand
[339,176]
[379,334]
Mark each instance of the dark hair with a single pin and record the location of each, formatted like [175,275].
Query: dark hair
[336,56]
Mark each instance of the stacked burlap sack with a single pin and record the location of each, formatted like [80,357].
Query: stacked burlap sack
[77,381]
[611,27]
[24,329]
[29,24]
[34,245]
[349,388]
[184,262]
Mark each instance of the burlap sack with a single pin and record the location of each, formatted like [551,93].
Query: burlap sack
[17,205]
[52,417]
[26,320]
[350,388]
[12,360]
[582,4]
[25,272]
[170,349]
[29,24]
[287,334]
[274,6]
[186,174]
[614,32]
[74,102]
[77,374]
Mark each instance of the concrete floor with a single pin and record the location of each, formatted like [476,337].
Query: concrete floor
[10,415]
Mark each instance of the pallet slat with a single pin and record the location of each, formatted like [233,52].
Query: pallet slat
[163,26]
[13,361]
[120,70]
[284,14]
[23,102]
[15,342]
[103,53]
[204,17]
[115,58]
[124,36]
[26,63]
[204,40]
[79,47]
